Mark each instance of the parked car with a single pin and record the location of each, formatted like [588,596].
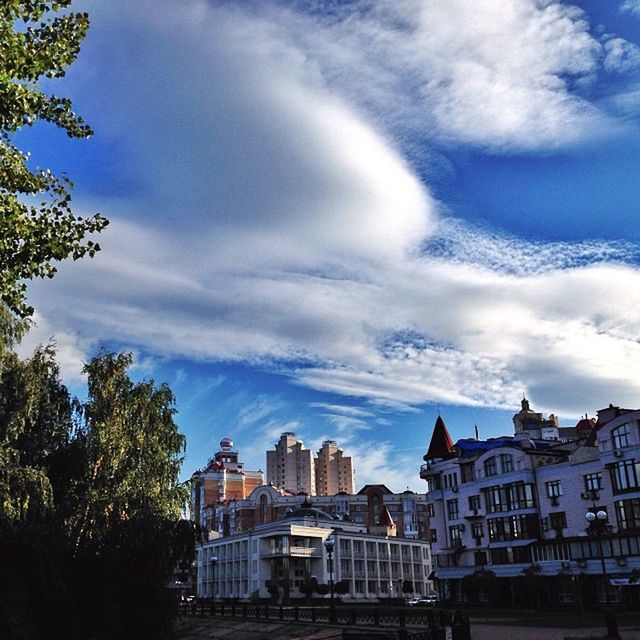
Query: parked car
[412,602]
[427,601]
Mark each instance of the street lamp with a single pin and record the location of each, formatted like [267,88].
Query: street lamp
[598,526]
[329,545]
[213,561]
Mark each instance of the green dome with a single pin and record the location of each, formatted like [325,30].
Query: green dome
[306,510]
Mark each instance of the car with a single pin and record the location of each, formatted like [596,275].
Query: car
[413,601]
[427,601]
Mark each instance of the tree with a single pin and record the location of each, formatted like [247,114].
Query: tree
[37,226]
[90,499]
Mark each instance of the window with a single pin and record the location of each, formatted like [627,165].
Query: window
[593,482]
[624,475]
[474,503]
[490,467]
[466,471]
[480,558]
[506,462]
[628,514]
[433,534]
[520,496]
[452,509]
[558,520]
[520,527]
[554,488]
[620,436]
[455,534]
[431,511]
[493,499]
[477,531]
[433,483]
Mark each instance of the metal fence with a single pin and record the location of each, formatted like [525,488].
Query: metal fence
[433,622]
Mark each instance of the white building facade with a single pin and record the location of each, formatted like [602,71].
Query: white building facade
[511,512]
[291,551]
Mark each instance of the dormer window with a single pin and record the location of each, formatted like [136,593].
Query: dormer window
[620,436]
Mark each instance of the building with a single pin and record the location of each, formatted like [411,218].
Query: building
[291,466]
[334,471]
[507,515]
[278,558]
[224,478]
[407,510]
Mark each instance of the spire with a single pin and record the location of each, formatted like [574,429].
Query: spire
[441,444]
[525,403]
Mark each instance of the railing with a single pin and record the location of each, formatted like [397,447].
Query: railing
[433,621]
[306,552]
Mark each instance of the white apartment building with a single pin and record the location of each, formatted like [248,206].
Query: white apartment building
[334,470]
[510,511]
[290,466]
[291,551]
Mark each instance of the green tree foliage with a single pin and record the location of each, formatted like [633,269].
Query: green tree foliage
[37,225]
[35,425]
[133,452]
[90,499]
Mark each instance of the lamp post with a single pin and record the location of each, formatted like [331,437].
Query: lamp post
[213,561]
[329,545]
[597,527]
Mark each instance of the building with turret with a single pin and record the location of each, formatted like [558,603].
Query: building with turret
[510,516]
[224,478]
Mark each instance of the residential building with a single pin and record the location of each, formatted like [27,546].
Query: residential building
[508,513]
[290,466]
[224,478]
[334,471]
[289,551]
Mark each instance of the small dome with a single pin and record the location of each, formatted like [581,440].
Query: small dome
[305,510]
[226,444]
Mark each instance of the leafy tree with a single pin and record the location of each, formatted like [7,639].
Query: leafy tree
[341,587]
[134,452]
[90,500]
[37,226]
[35,425]
[407,586]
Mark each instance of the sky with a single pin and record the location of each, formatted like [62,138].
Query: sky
[340,218]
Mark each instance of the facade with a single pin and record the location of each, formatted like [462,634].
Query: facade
[507,515]
[407,510]
[224,478]
[334,471]
[291,466]
[289,552]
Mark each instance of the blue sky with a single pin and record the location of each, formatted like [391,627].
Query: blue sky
[337,217]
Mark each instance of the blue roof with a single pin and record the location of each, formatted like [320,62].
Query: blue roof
[469,447]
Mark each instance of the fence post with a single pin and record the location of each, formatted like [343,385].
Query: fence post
[354,617]
[296,613]
[402,634]
[376,617]
[401,618]
[266,611]
[281,613]
[244,610]
[233,609]
[313,614]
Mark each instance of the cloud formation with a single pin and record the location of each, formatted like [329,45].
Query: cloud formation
[277,219]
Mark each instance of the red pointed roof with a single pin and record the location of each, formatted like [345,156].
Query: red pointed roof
[385,517]
[586,424]
[441,444]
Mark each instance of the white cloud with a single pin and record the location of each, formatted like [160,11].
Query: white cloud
[631,6]
[276,219]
